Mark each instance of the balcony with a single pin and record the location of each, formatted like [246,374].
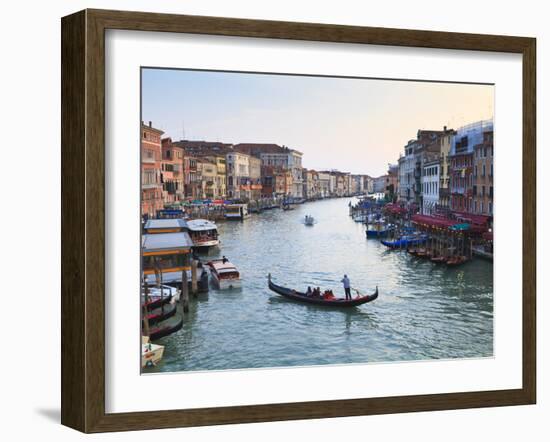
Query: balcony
[148,160]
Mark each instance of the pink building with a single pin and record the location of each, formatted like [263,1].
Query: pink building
[151,180]
[172,169]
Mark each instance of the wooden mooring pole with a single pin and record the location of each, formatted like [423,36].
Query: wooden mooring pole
[184,296]
[194,284]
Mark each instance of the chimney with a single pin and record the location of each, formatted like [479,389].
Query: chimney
[150,124]
[444,128]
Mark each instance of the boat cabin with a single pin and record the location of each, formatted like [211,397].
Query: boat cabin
[168,253]
[203,233]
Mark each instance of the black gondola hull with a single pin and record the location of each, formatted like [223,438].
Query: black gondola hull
[339,302]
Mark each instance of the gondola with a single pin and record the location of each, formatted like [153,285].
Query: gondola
[161,313]
[405,241]
[165,328]
[336,302]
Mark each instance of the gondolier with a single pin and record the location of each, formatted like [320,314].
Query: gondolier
[347,286]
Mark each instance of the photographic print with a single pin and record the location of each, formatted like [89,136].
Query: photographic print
[296,220]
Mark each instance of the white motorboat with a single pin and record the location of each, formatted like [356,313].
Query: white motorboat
[309,220]
[203,233]
[224,274]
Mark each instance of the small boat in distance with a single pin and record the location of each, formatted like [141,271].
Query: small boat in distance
[224,274]
[309,220]
[329,302]
[203,233]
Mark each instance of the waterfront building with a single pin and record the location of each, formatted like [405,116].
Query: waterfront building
[332,184]
[244,176]
[461,163]
[406,165]
[255,178]
[483,176]
[208,183]
[200,148]
[392,179]
[426,147]
[368,184]
[379,184]
[151,179]
[342,183]
[220,178]
[192,176]
[311,185]
[430,184]
[356,184]
[238,175]
[443,205]
[324,184]
[280,157]
[172,172]
[275,181]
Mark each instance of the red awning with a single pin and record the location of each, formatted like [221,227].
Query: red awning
[444,223]
[433,221]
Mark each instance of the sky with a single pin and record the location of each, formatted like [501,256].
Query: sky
[353,125]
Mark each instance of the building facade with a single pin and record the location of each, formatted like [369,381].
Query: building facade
[151,178]
[461,164]
[172,172]
[430,185]
[483,176]
[444,203]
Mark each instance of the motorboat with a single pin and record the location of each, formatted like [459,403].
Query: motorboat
[224,274]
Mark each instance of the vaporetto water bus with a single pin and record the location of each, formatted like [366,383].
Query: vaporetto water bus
[203,233]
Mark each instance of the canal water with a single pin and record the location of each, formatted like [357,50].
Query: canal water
[424,311]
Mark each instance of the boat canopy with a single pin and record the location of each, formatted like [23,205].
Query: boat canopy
[439,222]
[200,225]
[159,242]
[168,223]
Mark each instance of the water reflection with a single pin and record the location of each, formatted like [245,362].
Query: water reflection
[424,310]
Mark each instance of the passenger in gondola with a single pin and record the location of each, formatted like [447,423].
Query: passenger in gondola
[224,259]
[309,292]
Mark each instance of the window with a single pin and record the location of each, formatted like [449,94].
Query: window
[481,207]
[483,170]
[490,208]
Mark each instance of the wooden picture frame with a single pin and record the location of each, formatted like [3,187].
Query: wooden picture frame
[83,219]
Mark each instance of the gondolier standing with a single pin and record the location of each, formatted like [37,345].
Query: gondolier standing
[347,286]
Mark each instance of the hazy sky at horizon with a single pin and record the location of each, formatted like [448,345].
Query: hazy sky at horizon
[354,125]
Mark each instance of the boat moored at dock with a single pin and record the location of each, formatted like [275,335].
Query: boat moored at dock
[224,274]
[405,241]
[203,233]
[236,212]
